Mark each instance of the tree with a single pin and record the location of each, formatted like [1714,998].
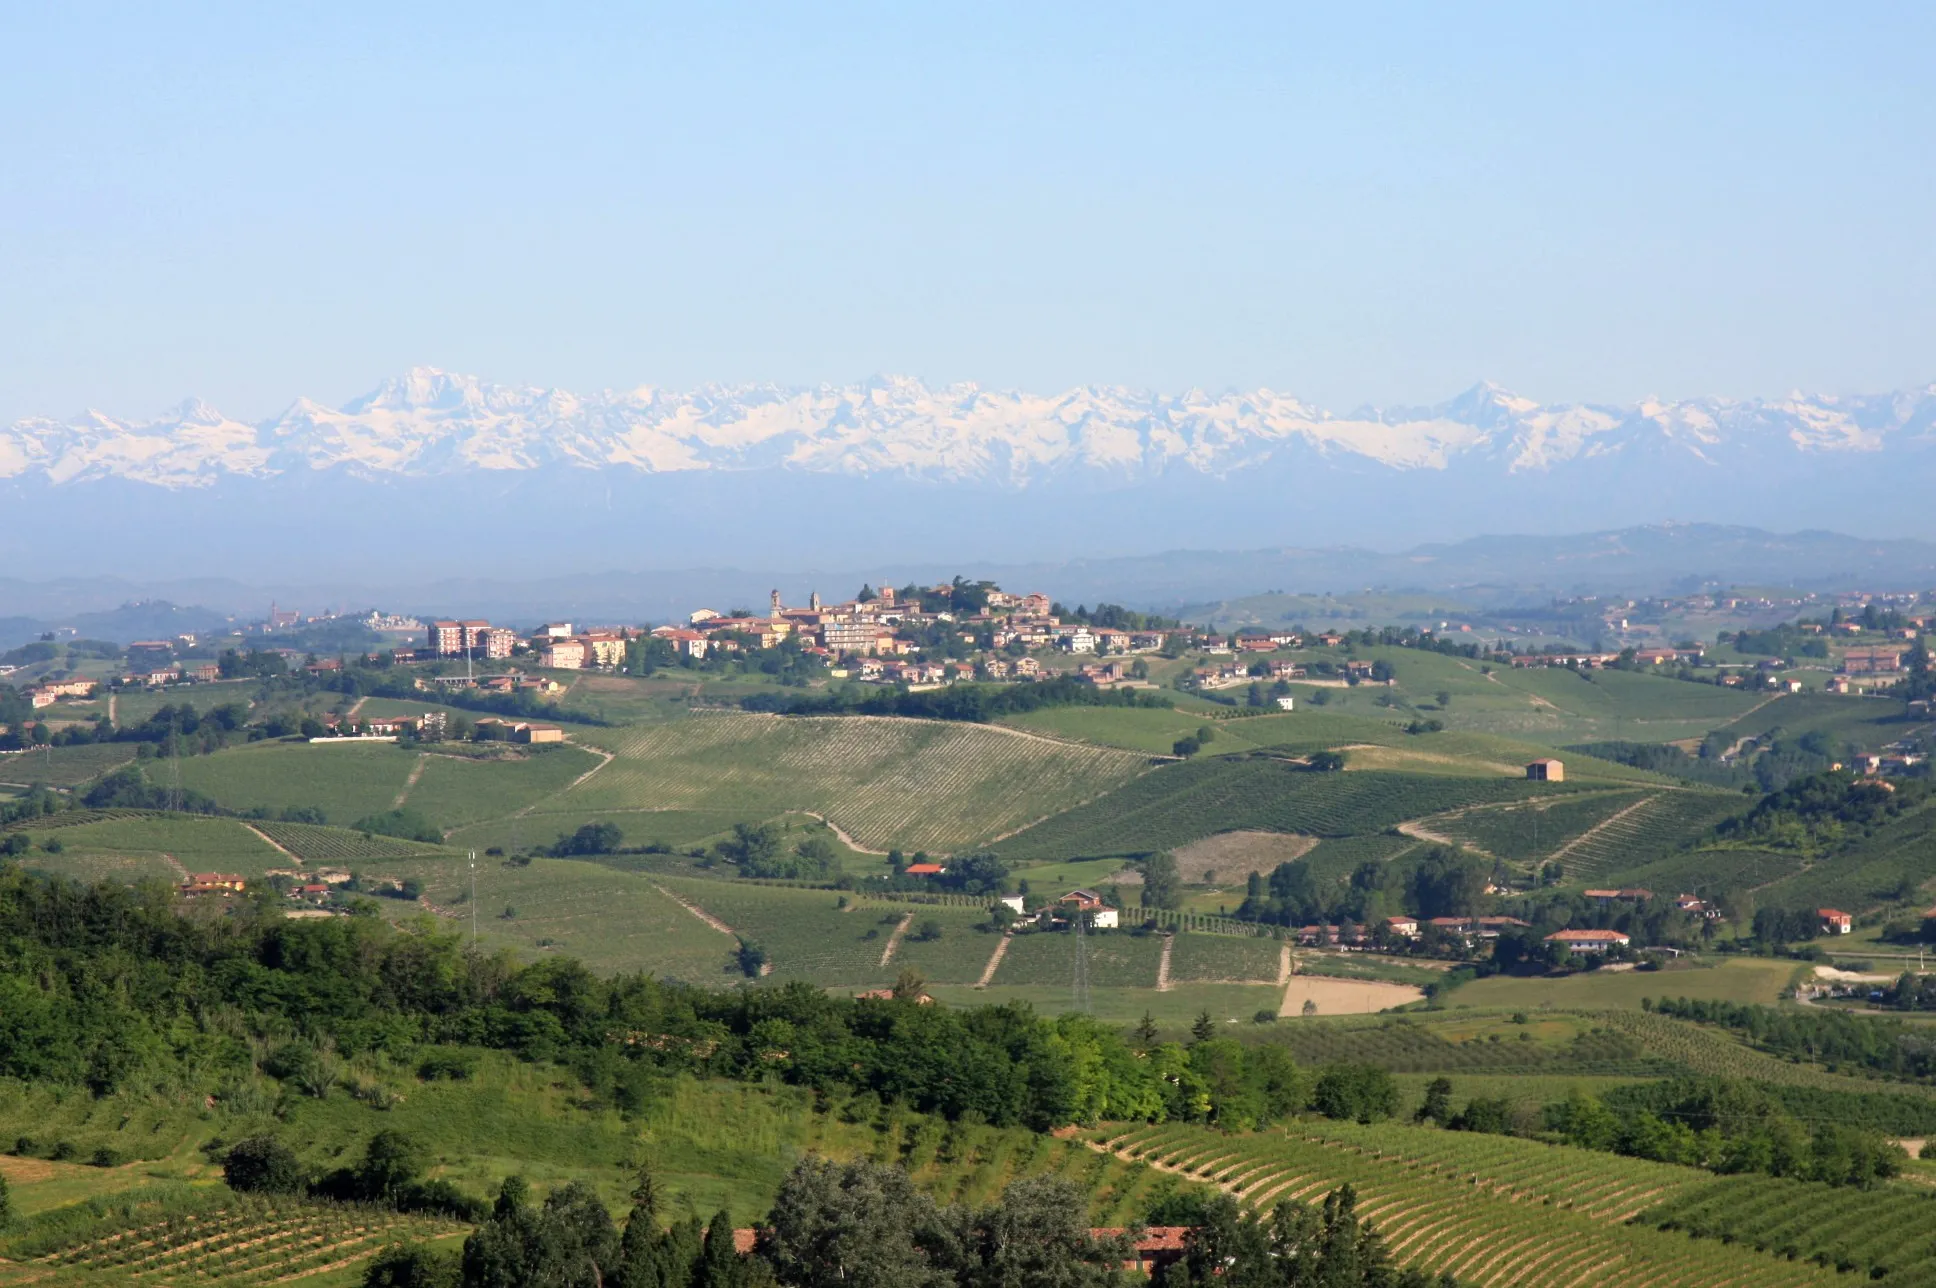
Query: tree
[751,958]
[1438,1103]
[754,847]
[1186,747]
[569,1243]
[1146,1031]
[1203,1028]
[392,1161]
[263,1165]
[6,1203]
[1038,1235]
[411,1265]
[592,838]
[1355,1092]
[1325,1247]
[857,1225]
[1162,884]
[1324,762]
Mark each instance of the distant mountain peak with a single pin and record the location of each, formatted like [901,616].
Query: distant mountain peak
[428,422]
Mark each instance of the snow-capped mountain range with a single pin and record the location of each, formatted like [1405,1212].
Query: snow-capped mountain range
[430,423]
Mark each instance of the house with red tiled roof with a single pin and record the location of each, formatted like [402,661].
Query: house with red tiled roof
[1590,941]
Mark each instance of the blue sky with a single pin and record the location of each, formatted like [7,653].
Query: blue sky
[1361,203]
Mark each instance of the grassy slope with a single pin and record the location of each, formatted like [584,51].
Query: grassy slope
[913,783]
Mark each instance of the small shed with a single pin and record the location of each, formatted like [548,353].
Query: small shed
[1546,771]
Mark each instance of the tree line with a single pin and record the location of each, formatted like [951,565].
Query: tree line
[862,1225]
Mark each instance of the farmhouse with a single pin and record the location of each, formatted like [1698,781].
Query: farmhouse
[1835,921]
[1546,770]
[1632,894]
[925,869]
[222,883]
[1589,941]
[1101,915]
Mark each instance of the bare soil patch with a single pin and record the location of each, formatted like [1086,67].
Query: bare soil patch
[25,1171]
[1345,996]
[1232,856]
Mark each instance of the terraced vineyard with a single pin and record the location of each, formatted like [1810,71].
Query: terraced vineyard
[916,784]
[1659,826]
[1180,803]
[1489,1209]
[1886,1233]
[1702,1049]
[243,1242]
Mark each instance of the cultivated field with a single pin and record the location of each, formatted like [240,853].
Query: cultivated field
[1232,856]
[1738,979]
[915,784]
[1489,1209]
[1181,803]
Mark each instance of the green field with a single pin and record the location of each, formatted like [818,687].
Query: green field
[345,782]
[610,920]
[1740,979]
[916,784]
[1180,803]
[314,844]
[351,782]
[203,844]
[1233,1007]
[1199,958]
[1115,959]
[63,766]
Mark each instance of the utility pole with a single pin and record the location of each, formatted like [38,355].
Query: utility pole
[473,861]
[1082,962]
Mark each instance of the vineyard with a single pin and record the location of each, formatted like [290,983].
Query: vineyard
[1886,1233]
[1709,870]
[1663,824]
[221,843]
[243,1241]
[1208,958]
[1529,833]
[1180,803]
[916,784]
[1337,858]
[63,766]
[346,783]
[1488,1209]
[314,844]
[1404,1045]
[1115,960]
[1702,1049]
